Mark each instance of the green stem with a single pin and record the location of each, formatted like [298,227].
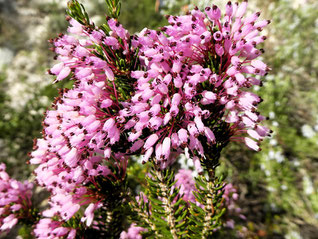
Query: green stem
[167,203]
[211,193]
[145,216]
[209,210]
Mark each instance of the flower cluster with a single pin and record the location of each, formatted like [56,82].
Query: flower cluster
[82,126]
[15,200]
[158,94]
[48,228]
[196,73]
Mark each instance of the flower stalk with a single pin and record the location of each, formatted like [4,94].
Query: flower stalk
[167,203]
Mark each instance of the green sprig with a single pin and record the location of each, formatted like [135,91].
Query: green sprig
[114,7]
[77,11]
[166,212]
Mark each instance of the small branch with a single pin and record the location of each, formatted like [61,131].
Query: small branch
[209,209]
[145,216]
[167,204]
[114,8]
[211,193]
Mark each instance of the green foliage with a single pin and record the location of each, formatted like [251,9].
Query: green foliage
[25,232]
[10,27]
[113,8]
[112,192]
[162,211]
[289,158]
[209,194]
[165,214]
[29,218]
[123,65]
[77,11]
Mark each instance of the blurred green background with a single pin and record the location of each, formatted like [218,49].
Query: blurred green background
[277,186]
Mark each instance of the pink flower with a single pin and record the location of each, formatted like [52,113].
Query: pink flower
[89,214]
[186,184]
[133,232]
[183,136]
[71,158]
[15,200]
[251,144]
[241,9]
[166,147]
[209,134]
[213,13]
[63,73]
[8,222]
[151,141]
[48,229]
